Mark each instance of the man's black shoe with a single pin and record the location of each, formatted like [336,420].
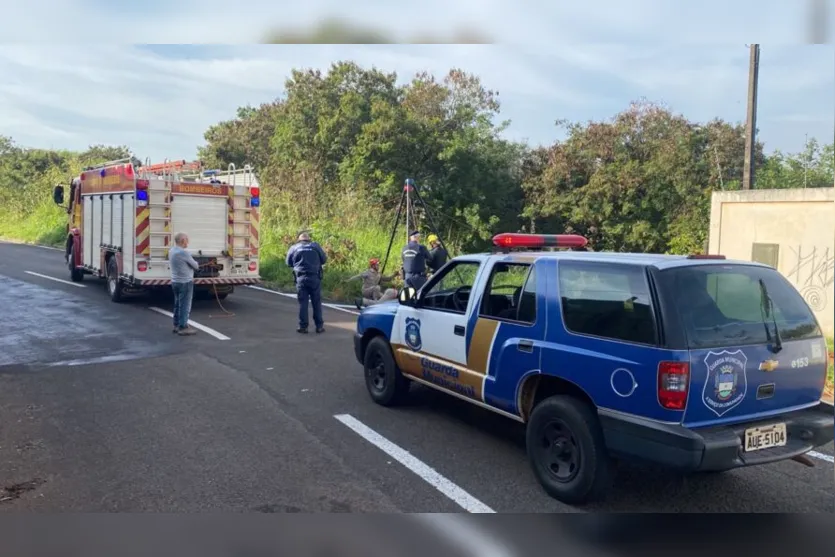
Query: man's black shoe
[302,330]
[320,330]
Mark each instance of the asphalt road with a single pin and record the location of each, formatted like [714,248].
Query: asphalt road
[103,409]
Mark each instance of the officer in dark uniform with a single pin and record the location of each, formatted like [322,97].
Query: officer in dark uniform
[415,256]
[306,258]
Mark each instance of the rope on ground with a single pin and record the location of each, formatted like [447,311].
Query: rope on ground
[226,313]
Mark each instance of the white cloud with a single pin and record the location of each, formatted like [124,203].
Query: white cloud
[160,102]
[539,22]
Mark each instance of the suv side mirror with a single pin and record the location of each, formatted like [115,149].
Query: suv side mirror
[408,296]
[58,195]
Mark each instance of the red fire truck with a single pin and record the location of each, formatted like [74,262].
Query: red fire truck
[122,219]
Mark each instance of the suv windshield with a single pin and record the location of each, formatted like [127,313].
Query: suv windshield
[726,305]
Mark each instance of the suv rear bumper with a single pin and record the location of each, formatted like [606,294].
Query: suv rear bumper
[713,448]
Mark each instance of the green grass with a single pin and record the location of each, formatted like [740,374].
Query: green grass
[348,249]
[45,225]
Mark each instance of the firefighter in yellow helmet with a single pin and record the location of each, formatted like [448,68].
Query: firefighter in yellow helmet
[437,254]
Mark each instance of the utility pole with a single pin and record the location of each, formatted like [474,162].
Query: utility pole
[751,120]
[818,21]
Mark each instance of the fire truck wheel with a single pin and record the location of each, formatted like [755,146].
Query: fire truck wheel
[114,285]
[77,275]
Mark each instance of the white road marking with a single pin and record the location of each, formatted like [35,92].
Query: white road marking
[337,307]
[828,458]
[424,471]
[30,245]
[198,326]
[56,279]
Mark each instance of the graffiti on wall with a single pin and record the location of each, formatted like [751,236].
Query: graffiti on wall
[813,272]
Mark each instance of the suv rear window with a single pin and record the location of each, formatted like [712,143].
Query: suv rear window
[607,301]
[722,305]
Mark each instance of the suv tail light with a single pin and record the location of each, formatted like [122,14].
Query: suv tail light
[142,266]
[673,384]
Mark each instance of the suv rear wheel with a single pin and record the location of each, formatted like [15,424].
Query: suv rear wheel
[567,451]
[384,381]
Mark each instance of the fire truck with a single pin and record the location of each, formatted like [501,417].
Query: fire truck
[122,219]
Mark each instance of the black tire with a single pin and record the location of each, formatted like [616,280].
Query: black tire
[76,275]
[567,450]
[222,296]
[383,379]
[114,285]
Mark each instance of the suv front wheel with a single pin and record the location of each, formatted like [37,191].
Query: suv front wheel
[567,451]
[383,379]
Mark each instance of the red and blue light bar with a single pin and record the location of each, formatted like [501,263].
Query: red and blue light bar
[510,240]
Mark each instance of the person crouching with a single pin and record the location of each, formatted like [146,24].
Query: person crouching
[372,291]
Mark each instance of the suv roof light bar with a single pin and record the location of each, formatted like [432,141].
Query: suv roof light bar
[508,241]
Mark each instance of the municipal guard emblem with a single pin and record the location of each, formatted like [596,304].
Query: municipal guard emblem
[413,339]
[726,383]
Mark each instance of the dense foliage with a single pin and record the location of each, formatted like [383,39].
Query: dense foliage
[332,153]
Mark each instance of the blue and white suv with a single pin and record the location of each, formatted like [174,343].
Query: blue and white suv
[697,363]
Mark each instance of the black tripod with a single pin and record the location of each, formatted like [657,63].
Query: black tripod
[410,191]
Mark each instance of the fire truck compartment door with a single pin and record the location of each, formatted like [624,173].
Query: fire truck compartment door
[203,219]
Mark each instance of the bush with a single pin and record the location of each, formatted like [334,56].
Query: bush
[45,225]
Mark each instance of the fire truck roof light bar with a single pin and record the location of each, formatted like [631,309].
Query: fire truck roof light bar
[534,241]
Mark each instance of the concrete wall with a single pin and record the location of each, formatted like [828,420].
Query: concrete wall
[800,221]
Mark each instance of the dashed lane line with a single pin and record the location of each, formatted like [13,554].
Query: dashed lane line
[421,469]
[198,326]
[337,307]
[56,279]
[826,457]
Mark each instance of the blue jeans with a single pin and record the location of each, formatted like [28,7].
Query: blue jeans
[183,292]
[310,292]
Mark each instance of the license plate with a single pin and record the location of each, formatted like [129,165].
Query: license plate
[766,437]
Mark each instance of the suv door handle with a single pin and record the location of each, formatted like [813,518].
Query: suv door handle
[525,346]
[459,330]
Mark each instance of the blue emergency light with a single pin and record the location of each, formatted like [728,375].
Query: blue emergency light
[142,195]
[255,202]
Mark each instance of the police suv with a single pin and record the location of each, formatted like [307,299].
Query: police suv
[693,362]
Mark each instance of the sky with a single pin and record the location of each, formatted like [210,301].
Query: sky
[555,60]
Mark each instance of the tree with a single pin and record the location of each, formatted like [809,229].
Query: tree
[640,182]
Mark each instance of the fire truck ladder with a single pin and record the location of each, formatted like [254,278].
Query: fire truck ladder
[239,211]
[109,163]
[159,204]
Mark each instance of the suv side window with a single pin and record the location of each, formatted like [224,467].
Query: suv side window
[450,289]
[511,293]
[607,301]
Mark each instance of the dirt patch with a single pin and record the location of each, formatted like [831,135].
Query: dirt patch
[16,491]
